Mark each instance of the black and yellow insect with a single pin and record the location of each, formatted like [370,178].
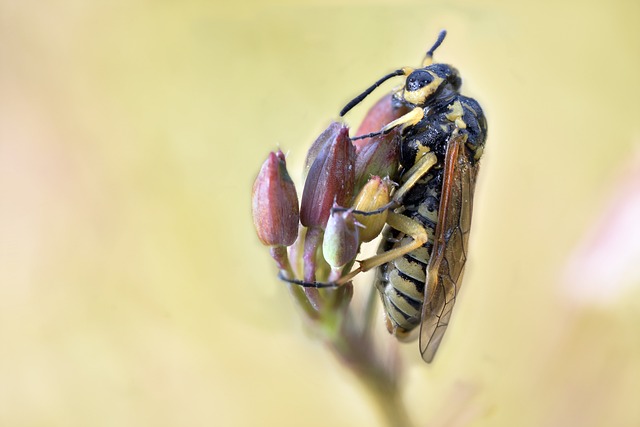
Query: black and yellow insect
[422,256]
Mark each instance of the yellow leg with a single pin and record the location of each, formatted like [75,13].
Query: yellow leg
[411,118]
[417,171]
[414,174]
[403,224]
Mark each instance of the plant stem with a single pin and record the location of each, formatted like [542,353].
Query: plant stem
[279,254]
[389,402]
[369,311]
[356,352]
[313,238]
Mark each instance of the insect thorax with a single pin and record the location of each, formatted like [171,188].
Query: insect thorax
[441,118]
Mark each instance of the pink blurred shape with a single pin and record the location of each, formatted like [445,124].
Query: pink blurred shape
[607,263]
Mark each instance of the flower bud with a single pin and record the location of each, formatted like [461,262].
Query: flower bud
[381,157]
[381,114]
[329,134]
[275,203]
[374,195]
[331,178]
[340,244]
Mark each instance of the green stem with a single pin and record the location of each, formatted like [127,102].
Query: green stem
[369,311]
[351,342]
[279,254]
[389,403]
[356,352]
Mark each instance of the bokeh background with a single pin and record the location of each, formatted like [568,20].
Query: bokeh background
[133,291]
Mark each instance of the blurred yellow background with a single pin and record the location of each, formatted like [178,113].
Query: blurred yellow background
[133,291]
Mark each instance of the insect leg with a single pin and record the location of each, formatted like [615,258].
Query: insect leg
[413,175]
[399,222]
[304,284]
[411,118]
[403,224]
[416,172]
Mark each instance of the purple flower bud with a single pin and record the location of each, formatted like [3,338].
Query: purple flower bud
[341,242]
[382,113]
[381,157]
[373,196]
[275,203]
[331,178]
[328,135]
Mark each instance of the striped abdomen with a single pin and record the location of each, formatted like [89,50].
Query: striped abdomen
[401,281]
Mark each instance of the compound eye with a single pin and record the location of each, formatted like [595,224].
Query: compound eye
[418,79]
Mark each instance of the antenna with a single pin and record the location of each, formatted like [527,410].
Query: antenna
[355,101]
[437,44]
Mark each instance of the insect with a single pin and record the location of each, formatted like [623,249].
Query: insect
[423,252]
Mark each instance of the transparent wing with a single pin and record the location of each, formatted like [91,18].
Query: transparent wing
[449,254]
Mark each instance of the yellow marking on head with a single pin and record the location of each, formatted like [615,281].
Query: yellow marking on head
[455,115]
[407,70]
[418,97]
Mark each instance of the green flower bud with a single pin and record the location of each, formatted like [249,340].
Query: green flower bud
[341,242]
